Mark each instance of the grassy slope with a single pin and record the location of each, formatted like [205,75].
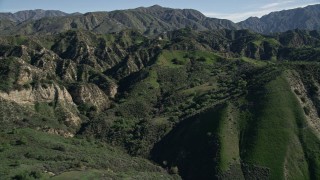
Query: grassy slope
[311,145]
[274,130]
[179,58]
[26,152]
[229,138]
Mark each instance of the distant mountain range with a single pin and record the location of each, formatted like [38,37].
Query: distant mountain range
[22,16]
[152,21]
[300,18]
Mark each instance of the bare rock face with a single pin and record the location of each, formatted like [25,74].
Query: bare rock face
[112,90]
[60,132]
[25,76]
[45,60]
[92,95]
[46,93]
[19,51]
[41,93]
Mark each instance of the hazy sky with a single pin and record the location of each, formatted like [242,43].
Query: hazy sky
[235,10]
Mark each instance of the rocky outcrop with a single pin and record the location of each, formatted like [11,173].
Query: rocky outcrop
[47,93]
[308,105]
[60,132]
[25,76]
[91,95]
[41,93]
[112,90]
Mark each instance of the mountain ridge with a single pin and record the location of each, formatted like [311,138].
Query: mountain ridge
[280,21]
[25,15]
[152,20]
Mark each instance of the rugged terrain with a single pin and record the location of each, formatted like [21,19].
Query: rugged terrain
[299,18]
[151,21]
[185,103]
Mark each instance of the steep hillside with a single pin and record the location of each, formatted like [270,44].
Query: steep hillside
[219,104]
[38,155]
[150,21]
[301,18]
[295,45]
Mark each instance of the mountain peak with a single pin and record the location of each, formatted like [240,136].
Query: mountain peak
[39,10]
[156,6]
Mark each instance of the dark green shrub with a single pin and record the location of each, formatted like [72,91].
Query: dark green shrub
[174,119]
[176,61]
[21,141]
[60,147]
[201,59]
[28,175]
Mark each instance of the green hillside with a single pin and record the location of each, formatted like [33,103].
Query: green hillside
[30,154]
[220,104]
